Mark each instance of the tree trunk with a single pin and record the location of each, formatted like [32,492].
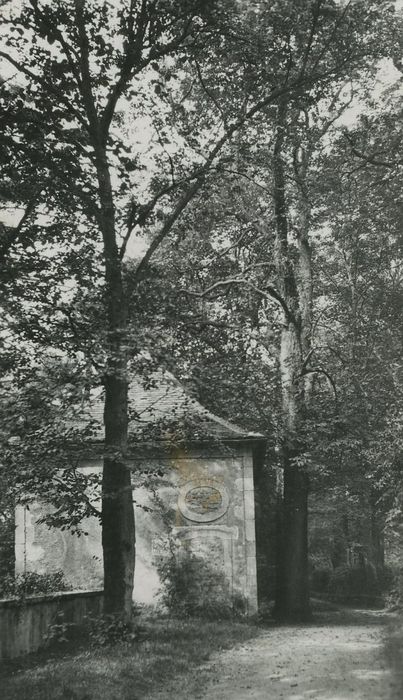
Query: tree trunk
[292,601]
[118,526]
[377,537]
[118,530]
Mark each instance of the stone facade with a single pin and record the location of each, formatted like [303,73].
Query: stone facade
[201,503]
[209,503]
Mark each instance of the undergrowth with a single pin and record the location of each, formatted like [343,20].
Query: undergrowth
[168,654]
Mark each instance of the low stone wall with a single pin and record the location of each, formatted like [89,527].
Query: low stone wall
[24,625]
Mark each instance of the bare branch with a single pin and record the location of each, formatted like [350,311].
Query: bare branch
[320,370]
[268,292]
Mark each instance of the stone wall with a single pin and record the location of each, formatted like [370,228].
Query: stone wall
[25,625]
[203,503]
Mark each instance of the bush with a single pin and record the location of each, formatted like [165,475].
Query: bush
[32,583]
[389,581]
[111,629]
[191,587]
[354,585]
[94,632]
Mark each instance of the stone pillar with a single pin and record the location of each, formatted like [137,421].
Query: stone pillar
[250,532]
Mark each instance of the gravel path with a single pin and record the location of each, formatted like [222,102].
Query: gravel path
[337,659]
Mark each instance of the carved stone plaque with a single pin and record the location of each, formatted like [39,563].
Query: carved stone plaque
[203,500]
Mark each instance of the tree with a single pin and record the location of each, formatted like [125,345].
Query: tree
[78,62]
[292,139]
[86,69]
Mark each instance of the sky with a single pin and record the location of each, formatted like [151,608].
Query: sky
[140,130]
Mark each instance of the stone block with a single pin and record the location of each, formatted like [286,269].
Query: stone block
[249,500]
[238,512]
[251,567]
[248,484]
[250,532]
[239,484]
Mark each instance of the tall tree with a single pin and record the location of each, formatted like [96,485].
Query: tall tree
[94,75]
[84,70]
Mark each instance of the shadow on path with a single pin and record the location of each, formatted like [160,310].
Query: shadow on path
[339,656]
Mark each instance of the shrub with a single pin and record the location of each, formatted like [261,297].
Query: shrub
[354,585]
[191,587]
[390,584]
[94,632]
[32,583]
[111,629]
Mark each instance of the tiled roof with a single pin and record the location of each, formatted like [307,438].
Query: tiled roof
[164,410]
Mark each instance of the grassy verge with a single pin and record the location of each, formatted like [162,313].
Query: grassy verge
[394,654]
[166,663]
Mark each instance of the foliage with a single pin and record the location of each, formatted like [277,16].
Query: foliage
[32,583]
[93,79]
[111,629]
[193,588]
[42,437]
[94,632]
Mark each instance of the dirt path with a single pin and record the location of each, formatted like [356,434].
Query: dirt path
[337,659]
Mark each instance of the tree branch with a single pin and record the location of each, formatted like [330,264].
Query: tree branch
[133,51]
[210,94]
[268,292]
[373,160]
[320,370]
[48,86]
[68,49]
[315,12]
[189,194]
[86,82]
[10,236]
[166,228]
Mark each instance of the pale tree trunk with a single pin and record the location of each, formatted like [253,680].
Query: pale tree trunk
[293,589]
[292,601]
[376,534]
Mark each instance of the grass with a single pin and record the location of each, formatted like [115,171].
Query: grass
[168,661]
[394,653]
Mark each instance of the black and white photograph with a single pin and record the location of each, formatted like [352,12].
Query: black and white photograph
[201,349]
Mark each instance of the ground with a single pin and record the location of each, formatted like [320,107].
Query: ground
[341,656]
[343,660]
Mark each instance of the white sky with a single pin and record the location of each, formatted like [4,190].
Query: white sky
[140,132]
